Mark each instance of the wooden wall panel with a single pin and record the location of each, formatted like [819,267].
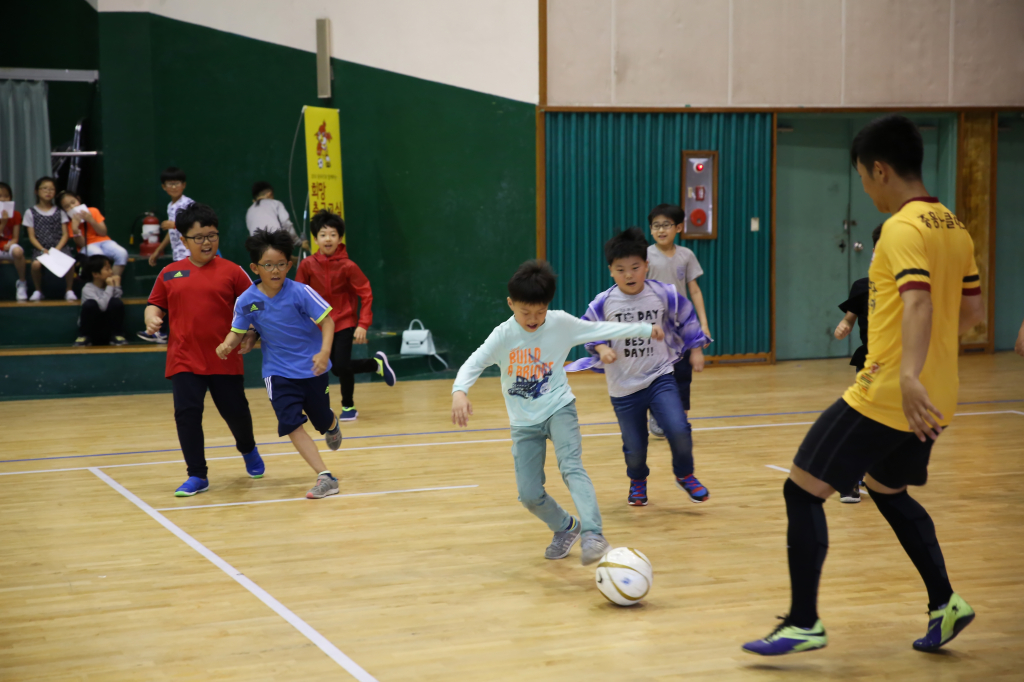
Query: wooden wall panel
[976,208]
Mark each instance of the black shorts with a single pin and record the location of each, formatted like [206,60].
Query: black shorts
[292,397]
[843,445]
[683,372]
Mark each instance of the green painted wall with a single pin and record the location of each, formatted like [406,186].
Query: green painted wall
[439,181]
[68,103]
[1009,231]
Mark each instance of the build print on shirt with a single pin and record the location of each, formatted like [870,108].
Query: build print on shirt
[531,373]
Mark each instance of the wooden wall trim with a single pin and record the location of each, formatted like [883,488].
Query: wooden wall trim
[977,134]
[772,228]
[541,148]
[542,45]
[993,173]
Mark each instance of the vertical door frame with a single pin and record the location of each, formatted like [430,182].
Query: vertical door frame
[771,227]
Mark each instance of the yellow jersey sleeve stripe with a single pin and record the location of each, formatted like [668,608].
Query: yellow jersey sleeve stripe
[326,313]
[972,278]
[913,271]
[239,331]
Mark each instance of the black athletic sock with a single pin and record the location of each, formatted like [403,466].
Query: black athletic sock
[916,532]
[807,540]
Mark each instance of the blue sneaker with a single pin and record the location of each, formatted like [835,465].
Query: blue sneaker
[789,639]
[637,492]
[697,492]
[348,414]
[193,485]
[254,464]
[384,369]
[945,623]
[158,337]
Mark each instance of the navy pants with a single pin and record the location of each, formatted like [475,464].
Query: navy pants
[684,377]
[662,399]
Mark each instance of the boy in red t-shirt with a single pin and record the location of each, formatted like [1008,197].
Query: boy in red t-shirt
[10,231]
[199,293]
[334,276]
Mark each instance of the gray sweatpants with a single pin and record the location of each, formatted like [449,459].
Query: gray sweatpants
[529,448]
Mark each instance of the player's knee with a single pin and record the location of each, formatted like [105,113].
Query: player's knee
[533,500]
[17,251]
[793,493]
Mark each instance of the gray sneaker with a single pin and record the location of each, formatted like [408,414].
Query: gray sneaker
[563,541]
[594,547]
[653,427]
[334,436]
[325,485]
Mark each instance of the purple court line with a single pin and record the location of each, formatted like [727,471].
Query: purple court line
[431,433]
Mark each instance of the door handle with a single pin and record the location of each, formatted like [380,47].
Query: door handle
[858,247]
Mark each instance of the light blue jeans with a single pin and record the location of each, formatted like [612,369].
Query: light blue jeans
[529,449]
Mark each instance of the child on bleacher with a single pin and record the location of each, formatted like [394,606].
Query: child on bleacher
[267,213]
[89,230]
[199,292]
[10,232]
[332,275]
[47,229]
[102,317]
[173,181]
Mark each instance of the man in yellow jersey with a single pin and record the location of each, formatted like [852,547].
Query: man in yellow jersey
[924,293]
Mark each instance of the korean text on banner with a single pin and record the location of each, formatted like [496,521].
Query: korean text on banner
[323,162]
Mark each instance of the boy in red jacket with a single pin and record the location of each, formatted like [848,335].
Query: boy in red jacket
[334,276]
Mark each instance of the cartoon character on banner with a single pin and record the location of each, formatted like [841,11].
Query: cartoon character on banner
[322,138]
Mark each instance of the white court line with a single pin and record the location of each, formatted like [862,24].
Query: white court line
[772,466]
[296,499]
[280,609]
[423,445]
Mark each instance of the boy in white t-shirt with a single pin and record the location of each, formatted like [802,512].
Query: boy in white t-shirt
[173,181]
[676,265]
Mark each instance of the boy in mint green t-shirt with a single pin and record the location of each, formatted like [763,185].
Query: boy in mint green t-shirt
[530,348]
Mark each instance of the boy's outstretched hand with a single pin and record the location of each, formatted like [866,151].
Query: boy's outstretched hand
[248,342]
[697,359]
[843,330]
[657,333]
[461,408]
[223,351]
[320,361]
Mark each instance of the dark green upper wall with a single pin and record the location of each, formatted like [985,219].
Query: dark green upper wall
[439,181]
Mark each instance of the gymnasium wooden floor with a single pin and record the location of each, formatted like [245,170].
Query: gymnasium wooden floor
[427,568]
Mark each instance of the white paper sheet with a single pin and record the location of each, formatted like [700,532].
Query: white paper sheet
[7,206]
[57,262]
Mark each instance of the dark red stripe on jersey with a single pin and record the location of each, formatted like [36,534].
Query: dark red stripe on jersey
[914,271]
[976,291]
[927,200]
[916,285]
[972,278]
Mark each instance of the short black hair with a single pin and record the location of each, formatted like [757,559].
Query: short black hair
[60,197]
[876,234]
[93,264]
[670,211]
[259,187]
[173,173]
[626,244]
[10,192]
[45,178]
[325,218]
[195,213]
[534,282]
[892,139]
[263,240]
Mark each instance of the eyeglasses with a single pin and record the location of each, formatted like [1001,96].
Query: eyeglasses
[173,183]
[273,267]
[662,227]
[199,239]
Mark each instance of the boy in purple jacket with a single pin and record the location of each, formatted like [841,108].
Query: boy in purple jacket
[640,371]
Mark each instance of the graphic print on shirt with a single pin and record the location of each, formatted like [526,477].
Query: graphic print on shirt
[640,347]
[532,375]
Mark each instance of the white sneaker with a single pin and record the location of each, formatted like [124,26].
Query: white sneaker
[22,291]
[36,296]
[70,296]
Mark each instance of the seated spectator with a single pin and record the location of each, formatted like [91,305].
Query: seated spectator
[10,232]
[267,213]
[47,229]
[89,230]
[102,318]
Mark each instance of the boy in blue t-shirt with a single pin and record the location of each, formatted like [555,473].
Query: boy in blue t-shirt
[296,355]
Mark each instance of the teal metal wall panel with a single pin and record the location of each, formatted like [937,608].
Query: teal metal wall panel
[605,171]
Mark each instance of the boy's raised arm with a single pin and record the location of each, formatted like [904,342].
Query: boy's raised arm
[584,331]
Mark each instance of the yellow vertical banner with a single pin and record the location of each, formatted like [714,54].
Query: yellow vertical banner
[323,162]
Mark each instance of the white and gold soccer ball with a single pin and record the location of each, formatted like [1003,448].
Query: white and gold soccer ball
[624,576]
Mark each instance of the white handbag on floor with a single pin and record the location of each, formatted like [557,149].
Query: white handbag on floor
[419,342]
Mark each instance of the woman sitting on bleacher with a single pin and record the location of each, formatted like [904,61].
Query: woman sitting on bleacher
[89,230]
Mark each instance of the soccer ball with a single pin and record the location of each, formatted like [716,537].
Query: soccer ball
[624,576]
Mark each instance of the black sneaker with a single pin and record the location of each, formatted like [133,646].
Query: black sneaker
[851,496]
